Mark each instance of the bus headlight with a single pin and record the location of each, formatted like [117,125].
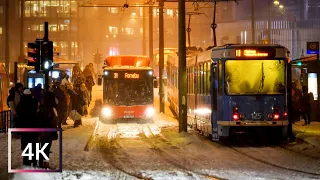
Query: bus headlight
[150,111]
[106,112]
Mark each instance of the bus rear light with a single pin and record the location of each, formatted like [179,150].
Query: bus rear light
[235,117]
[276,113]
[235,114]
[285,111]
[276,116]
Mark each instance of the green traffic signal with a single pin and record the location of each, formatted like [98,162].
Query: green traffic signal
[299,63]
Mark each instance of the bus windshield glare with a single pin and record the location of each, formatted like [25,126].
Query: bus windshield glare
[128,93]
[254,77]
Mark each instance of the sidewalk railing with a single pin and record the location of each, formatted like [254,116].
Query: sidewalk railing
[5,121]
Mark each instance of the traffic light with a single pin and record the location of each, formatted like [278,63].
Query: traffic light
[299,63]
[34,55]
[47,55]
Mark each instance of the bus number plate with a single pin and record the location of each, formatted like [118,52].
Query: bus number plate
[256,115]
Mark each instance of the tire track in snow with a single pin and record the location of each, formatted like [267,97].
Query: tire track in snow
[165,156]
[114,154]
[270,163]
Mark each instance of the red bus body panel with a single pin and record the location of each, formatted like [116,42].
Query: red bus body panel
[129,112]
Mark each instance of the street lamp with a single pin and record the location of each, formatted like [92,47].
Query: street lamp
[276,2]
[281,6]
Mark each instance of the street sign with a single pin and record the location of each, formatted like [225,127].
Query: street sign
[264,41]
[312,47]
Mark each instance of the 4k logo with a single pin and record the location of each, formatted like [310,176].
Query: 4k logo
[36,151]
[39,150]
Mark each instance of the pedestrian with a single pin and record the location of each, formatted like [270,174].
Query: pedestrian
[83,93]
[37,92]
[306,105]
[13,101]
[48,119]
[27,118]
[62,104]
[296,103]
[89,84]
[76,106]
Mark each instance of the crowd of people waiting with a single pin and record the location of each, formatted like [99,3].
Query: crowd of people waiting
[35,108]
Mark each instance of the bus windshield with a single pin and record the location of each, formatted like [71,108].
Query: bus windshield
[128,93]
[254,77]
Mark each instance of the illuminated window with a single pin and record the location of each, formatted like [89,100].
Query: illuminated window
[64,27]
[113,10]
[129,31]
[113,51]
[113,30]
[254,77]
[155,12]
[0,30]
[170,12]
[53,27]
[141,30]
[141,11]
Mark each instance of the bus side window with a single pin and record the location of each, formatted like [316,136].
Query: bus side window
[220,78]
[214,87]
[208,78]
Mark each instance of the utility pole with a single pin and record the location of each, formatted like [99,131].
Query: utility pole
[21,56]
[182,76]
[161,55]
[151,36]
[252,23]
[269,21]
[189,30]
[144,32]
[6,36]
[214,25]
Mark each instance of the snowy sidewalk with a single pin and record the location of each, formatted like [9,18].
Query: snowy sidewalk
[309,133]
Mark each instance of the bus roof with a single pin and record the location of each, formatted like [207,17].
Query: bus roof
[247,45]
[128,60]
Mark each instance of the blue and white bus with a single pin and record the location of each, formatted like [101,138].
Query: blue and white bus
[235,88]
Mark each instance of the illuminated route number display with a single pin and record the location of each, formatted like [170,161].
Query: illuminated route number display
[256,53]
[122,75]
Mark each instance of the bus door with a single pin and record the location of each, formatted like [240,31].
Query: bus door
[214,98]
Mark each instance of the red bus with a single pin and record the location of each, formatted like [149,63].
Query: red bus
[127,89]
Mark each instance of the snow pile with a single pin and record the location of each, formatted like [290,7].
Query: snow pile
[70,175]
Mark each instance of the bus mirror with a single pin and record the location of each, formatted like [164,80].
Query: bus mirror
[155,84]
[99,80]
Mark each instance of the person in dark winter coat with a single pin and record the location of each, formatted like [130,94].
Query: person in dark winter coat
[37,92]
[27,118]
[48,119]
[62,105]
[76,104]
[89,84]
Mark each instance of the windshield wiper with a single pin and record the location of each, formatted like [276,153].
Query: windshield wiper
[262,78]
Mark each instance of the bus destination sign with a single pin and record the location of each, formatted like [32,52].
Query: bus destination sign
[255,53]
[134,75]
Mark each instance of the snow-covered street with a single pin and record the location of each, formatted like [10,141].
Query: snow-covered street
[135,150]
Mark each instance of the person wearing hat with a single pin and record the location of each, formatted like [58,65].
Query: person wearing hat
[27,118]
